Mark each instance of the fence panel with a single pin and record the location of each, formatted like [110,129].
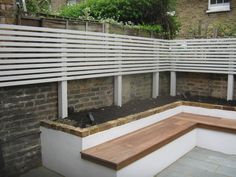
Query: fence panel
[35,55]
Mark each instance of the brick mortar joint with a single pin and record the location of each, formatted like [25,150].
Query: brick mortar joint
[127,119]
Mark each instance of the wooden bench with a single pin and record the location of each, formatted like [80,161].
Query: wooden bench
[126,149]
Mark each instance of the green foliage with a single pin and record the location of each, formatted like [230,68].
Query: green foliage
[154,28]
[221,30]
[38,6]
[131,12]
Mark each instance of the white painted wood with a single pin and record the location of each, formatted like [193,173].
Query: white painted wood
[118,90]
[230,87]
[155,84]
[62,99]
[172,83]
[53,30]
[26,52]
[33,76]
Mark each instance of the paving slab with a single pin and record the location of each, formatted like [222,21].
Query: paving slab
[202,163]
[197,163]
[41,172]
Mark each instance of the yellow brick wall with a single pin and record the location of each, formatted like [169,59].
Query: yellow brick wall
[7,11]
[196,22]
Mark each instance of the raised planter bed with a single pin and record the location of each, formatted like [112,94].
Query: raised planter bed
[62,144]
[105,114]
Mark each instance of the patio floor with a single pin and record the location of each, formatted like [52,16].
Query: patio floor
[41,172]
[202,163]
[197,163]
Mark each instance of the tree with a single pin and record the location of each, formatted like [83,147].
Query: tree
[137,12]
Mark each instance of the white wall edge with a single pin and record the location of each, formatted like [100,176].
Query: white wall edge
[101,137]
[210,112]
[217,141]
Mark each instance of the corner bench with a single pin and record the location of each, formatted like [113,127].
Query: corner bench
[123,151]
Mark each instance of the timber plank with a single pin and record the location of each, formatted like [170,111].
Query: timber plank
[124,150]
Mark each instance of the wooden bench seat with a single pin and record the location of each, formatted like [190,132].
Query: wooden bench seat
[126,149]
[215,123]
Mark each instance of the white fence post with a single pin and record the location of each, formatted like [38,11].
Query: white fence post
[155,85]
[62,85]
[62,99]
[172,83]
[155,75]
[230,87]
[172,73]
[118,90]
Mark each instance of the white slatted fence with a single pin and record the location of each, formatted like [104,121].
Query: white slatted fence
[30,55]
[36,55]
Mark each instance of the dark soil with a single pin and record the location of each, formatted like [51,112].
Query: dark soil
[101,115]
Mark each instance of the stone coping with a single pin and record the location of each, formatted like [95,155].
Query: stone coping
[83,132]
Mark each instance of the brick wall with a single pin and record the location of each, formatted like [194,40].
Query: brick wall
[21,108]
[138,86]
[7,11]
[214,85]
[196,22]
[164,87]
[90,93]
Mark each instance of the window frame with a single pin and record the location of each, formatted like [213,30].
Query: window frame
[218,7]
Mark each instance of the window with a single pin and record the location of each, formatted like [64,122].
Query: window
[218,6]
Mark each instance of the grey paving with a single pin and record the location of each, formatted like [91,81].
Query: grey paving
[197,163]
[41,172]
[202,163]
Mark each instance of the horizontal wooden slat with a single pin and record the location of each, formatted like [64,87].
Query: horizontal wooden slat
[42,55]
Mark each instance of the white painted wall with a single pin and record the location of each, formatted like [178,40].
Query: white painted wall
[209,112]
[155,162]
[115,132]
[61,151]
[216,141]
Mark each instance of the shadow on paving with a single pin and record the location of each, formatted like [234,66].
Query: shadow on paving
[41,172]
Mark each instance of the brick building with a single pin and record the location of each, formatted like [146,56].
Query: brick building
[211,18]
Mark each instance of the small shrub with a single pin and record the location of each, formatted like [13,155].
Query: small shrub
[38,6]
